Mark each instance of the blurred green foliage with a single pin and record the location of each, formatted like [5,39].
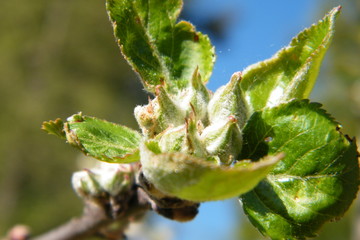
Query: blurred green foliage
[57,58]
[340,81]
[341,96]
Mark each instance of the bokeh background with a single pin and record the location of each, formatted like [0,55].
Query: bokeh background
[59,57]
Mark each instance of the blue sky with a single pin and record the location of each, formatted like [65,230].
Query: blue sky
[256,30]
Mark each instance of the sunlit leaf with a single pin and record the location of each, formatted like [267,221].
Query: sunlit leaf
[195,179]
[316,181]
[103,140]
[292,72]
[157,47]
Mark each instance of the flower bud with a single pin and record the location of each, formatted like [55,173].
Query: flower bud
[146,118]
[195,98]
[109,179]
[85,185]
[159,114]
[184,138]
[228,101]
[173,139]
[223,140]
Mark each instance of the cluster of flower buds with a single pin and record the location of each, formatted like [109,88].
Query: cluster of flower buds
[169,110]
[193,140]
[195,121]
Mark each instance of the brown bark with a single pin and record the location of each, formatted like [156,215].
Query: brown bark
[101,213]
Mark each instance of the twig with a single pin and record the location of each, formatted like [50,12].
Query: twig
[100,214]
[87,225]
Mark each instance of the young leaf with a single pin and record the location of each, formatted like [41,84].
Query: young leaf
[292,72]
[103,140]
[316,181]
[54,127]
[158,48]
[195,179]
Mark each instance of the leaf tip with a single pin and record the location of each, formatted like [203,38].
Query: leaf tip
[335,12]
[338,8]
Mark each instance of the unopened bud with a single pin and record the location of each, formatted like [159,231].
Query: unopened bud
[159,114]
[223,140]
[85,184]
[195,98]
[173,139]
[111,179]
[146,118]
[184,138]
[228,101]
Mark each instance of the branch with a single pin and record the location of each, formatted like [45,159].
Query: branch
[99,214]
[108,216]
[87,225]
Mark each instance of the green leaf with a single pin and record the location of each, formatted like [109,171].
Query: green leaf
[158,48]
[316,181]
[55,127]
[292,72]
[195,179]
[103,140]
